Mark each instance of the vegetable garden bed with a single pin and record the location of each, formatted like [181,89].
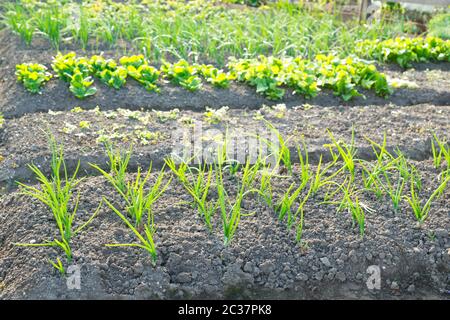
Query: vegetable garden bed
[358,188]
[414,87]
[411,129]
[263,261]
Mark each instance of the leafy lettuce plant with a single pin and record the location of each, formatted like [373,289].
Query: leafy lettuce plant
[138,68]
[80,85]
[64,65]
[299,74]
[183,74]
[67,65]
[145,75]
[344,75]
[371,78]
[99,64]
[116,78]
[108,71]
[261,73]
[32,76]
[133,61]
[216,77]
[268,74]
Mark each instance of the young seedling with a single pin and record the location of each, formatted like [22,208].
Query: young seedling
[357,212]
[437,156]
[402,165]
[301,212]
[331,195]
[231,210]
[265,186]
[194,182]
[370,179]
[305,173]
[395,192]
[287,200]
[347,153]
[215,116]
[444,153]
[353,206]
[407,170]
[281,149]
[349,201]
[19,22]
[118,163]
[380,150]
[146,240]
[58,266]
[421,212]
[138,201]
[164,116]
[416,175]
[233,166]
[57,193]
[318,180]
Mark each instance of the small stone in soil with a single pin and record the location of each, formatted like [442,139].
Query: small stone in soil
[341,276]
[326,262]
[302,277]
[184,277]
[319,276]
[267,267]
[248,267]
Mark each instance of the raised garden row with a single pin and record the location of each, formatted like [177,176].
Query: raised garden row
[267,74]
[331,251]
[156,134]
[391,176]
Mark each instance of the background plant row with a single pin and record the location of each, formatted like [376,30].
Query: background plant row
[198,30]
[267,74]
